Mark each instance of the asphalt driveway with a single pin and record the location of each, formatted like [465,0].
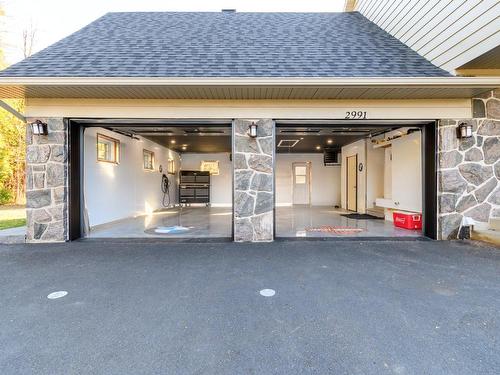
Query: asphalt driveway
[339,308]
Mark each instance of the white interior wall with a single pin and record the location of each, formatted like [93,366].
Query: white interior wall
[359,148]
[393,173]
[407,172]
[387,173]
[374,174]
[117,191]
[221,189]
[325,180]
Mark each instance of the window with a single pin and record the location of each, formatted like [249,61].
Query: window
[171,166]
[211,166]
[300,175]
[148,160]
[108,149]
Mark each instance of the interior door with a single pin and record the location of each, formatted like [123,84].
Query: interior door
[301,183]
[352,183]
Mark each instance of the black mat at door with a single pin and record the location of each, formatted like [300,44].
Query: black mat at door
[362,217]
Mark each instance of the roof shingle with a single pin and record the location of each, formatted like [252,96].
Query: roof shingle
[209,44]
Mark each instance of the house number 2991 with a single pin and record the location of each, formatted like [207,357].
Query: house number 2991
[355,115]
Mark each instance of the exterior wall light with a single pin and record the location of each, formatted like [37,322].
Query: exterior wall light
[464,130]
[252,130]
[39,128]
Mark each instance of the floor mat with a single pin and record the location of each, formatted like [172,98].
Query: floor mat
[334,229]
[176,229]
[361,217]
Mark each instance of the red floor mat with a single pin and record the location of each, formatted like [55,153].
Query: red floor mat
[335,230]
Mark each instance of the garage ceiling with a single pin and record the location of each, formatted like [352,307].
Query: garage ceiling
[183,138]
[290,138]
[315,139]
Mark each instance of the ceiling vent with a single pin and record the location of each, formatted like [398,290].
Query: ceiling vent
[228,10]
[288,143]
[331,156]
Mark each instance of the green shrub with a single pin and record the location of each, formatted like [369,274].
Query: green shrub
[5,196]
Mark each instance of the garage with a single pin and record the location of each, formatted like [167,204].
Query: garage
[344,179]
[156,179]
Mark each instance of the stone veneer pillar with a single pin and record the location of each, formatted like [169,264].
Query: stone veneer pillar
[253,197]
[47,183]
[469,169]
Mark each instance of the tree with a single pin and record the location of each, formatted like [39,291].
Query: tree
[12,144]
[29,33]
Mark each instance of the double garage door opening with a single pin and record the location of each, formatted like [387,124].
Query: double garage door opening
[331,179]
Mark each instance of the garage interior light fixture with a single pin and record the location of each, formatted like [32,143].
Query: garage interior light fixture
[464,130]
[39,128]
[252,130]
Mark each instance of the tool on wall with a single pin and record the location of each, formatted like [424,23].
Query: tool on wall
[165,188]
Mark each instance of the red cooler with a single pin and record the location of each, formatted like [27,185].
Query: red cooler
[407,220]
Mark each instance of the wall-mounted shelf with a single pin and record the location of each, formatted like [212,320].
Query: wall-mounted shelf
[383,144]
[390,204]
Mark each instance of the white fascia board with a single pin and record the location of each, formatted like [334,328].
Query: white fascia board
[451,82]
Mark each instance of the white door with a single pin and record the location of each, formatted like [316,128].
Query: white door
[352,183]
[301,183]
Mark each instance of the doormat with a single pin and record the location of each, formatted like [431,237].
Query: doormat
[335,230]
[362,217]
[176,229]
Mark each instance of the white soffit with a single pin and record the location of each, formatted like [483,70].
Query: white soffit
[247,88]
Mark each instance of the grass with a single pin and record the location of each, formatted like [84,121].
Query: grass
[12,216]
[12,223]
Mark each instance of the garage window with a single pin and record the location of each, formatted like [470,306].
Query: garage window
[148,159]
[171,166]
[108,149]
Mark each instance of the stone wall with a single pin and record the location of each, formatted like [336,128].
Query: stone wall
[253,163]
[47,183]
[469,169]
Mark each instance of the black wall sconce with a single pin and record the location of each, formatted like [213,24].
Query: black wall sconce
[39,128]
[252,130]
[464,130]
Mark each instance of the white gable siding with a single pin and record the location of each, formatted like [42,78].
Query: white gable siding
[449,33]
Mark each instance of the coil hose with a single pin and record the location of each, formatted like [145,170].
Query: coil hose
[165,188]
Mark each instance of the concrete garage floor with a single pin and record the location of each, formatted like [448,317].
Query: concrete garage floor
[214,222]
[293,222]
[392,307]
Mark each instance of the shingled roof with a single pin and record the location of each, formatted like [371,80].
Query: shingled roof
[225,44]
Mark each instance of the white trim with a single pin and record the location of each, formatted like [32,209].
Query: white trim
[483,82]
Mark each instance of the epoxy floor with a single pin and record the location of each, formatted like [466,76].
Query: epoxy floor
[216,222]
[202,222]
[297,221]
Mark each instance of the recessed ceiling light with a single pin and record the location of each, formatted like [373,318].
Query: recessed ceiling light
[172,141]
[301,138]
[329,141]
[318,147]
